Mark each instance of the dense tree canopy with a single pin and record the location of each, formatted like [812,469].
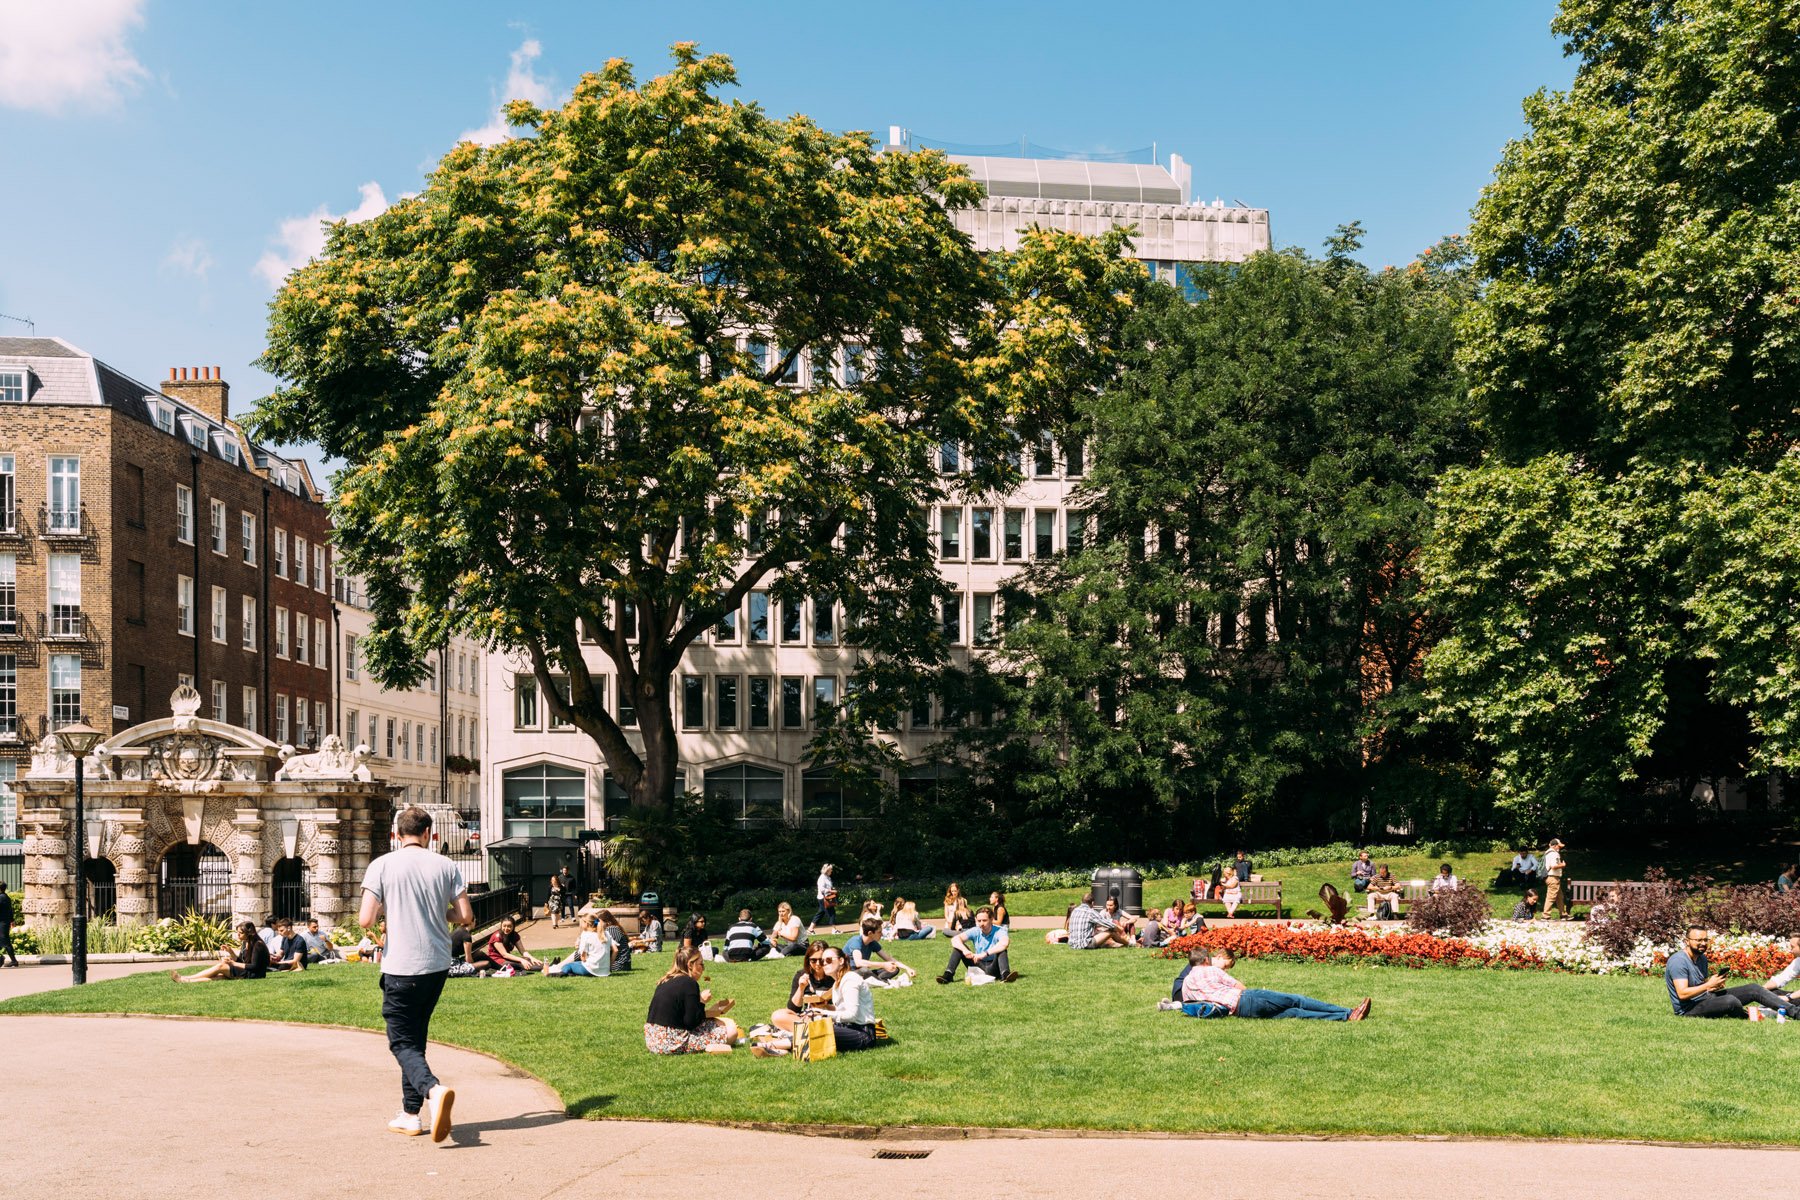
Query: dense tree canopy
[598,382]
[1258,487]
[1618,576]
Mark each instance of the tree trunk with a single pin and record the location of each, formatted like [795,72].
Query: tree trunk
[655,787]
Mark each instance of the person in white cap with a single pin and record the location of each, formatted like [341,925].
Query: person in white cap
[1555,895]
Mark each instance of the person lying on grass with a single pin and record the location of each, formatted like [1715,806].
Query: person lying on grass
[250,962]
[852,1003]
[683,1018]
[1208,982]
[810,989]
[982,947]
[1695,990]
[592,957]
[507,953]
[866,955]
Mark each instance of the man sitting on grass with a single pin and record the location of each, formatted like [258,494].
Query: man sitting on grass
[1091,929]
[318,946]
[866,955]
[1208,982]
[1695,991]
[984,946]
[745,941]
[290,949]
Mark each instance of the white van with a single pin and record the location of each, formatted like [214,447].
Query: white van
[448,834]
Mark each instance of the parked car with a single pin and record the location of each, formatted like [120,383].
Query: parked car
[448,834]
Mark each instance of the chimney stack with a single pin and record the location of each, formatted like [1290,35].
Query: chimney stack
[202,388]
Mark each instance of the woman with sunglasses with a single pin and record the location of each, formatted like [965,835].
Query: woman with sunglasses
[853,1004]
[811,988]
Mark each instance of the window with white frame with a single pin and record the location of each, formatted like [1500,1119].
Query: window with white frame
[12,385]
[65,690]
[319,643]
[351,661]
[247,536]
[184,514]
[281,719]
[318,721]
[221,710]
[302,645]
[221,619]
[217,508]
[65,494]
[434,743]
[9,494]
[299,560]
[280,553]
[65,595]
[247,607]
[250,710]
[525,702]
[406,740]
[9,695]
[319,582]
[352,726]
[281,632]
[9,593]
[184,604]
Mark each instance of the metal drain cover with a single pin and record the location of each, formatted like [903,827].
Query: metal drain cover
[902,1153]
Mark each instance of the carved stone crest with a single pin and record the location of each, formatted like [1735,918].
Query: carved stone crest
[330,761]
[185,760]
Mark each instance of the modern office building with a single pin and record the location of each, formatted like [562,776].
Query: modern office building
[745,696]
[145,543]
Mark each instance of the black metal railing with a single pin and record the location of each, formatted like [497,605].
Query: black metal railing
[12,867]
[490,906]
[65,623]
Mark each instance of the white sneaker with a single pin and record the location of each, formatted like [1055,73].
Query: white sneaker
[1167,1005]
[438,1102]
[406,1123]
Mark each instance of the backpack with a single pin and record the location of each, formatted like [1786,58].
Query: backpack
[1204,1008]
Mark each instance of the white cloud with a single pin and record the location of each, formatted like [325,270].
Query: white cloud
[522,83]
[68,54]
[188,256]
[303,238]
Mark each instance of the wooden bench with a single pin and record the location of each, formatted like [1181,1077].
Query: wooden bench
[1266,893]
[1411,892]
[1592,891]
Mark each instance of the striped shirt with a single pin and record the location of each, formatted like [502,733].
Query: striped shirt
[1209,983]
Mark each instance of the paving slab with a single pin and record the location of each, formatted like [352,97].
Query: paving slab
[109,1107]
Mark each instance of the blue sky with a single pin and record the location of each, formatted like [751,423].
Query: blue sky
[169,159]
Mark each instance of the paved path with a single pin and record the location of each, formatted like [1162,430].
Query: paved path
[105,1107]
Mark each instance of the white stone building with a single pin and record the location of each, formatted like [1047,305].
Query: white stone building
[745,696]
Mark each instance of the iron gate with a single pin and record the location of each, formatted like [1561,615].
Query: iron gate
[197,878]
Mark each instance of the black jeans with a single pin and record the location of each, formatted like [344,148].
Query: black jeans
[997,966]
[6,946]
[407,1002]
[1730,1002]
[852,1037]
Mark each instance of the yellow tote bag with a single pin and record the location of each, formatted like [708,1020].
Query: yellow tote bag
[815,1040]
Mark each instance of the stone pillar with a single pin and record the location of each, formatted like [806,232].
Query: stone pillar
[329,901]
[48,898]
[251,895]
[137,899]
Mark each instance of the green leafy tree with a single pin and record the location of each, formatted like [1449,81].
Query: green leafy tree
[1258,487]
[1612,573]
[566,379]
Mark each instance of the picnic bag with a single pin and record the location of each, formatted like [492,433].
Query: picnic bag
[815,1039]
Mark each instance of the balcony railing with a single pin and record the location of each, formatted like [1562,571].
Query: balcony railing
[65,625]
[11,523]
[56,523]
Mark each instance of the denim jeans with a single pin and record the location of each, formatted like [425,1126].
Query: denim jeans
[1259,1002]
[407,1002]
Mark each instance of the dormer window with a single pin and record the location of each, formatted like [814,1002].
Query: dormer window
[12,385]
[162,414]
[196,433]
[226,446]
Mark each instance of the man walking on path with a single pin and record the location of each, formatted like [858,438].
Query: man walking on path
[6,920]
[1554,894]
[416,889]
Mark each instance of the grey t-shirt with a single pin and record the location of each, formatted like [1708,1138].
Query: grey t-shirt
[417,888]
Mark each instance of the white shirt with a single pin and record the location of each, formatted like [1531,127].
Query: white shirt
[1443,883]
[824,886]
[852,1001]
[593,952]
[1553,863]
[788,930]
[416,888]
[1525,864]
[1785,976]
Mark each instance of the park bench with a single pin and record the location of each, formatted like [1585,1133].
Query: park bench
[1264,893]
[1592,891]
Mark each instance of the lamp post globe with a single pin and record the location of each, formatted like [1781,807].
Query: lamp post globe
[79,740]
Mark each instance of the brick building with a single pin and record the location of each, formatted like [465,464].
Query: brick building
[146,542]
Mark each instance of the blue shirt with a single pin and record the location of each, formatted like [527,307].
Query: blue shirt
[1688,970]
[979,943]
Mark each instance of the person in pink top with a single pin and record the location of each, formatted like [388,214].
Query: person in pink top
[1208,980]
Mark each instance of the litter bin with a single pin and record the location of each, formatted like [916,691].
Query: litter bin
[1124,884]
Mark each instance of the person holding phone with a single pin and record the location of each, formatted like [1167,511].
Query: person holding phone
[1695,990]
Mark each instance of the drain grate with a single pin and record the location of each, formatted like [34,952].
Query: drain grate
[902,1153]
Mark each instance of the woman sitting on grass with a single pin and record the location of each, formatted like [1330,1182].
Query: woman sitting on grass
[953,899]
[694,936]
[959,918]
[683,1019]
[508,954]
[1171,919]
[613,934]
[852,1004]
[786,935]
[592,957]
[251,961]
[908,927]
[997,902]
[811,988]
[649,934]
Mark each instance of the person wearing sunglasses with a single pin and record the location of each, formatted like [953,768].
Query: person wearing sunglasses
[811,988]
[853,1003]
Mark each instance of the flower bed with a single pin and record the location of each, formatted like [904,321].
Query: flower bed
[1504,945]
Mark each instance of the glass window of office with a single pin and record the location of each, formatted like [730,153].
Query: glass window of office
[727,628]
[791,628]
[755,793]
[761,688]
[543,800]
[1074,530]
[823,797]
[1013,535]
[693,701]
[952,619]
[981,533]
[981,620]
[1074,457]
[793,699]
[759,618]
[725,701]
[525,702]
[950,533]
[949,458]
[1043,532]
[824,622]
[1043,456]
[825,695]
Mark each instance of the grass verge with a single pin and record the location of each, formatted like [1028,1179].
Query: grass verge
[1077,1043]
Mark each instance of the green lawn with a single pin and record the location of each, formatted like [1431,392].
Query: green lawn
[1078,1043]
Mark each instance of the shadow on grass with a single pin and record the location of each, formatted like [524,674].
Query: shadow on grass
[589,1106]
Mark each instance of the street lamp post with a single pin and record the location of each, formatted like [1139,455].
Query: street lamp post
[79,740]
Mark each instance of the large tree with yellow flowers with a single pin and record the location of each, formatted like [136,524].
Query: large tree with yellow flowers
[598,382]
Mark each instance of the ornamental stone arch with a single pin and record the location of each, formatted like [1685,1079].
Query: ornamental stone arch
[184,780]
